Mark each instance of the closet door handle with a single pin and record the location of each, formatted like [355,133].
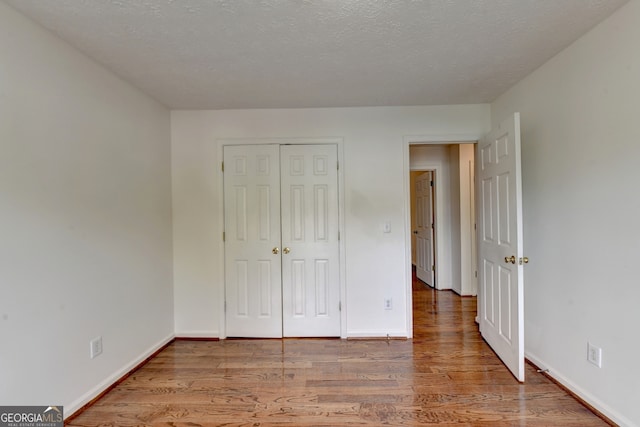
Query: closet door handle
[286,250]
[275,250]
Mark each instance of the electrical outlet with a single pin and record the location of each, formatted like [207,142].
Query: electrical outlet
[95,347]
[388,304]
[594,354]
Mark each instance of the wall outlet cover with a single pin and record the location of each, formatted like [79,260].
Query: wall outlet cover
[594,355]
[95,347]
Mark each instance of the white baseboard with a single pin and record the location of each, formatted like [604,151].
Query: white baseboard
[377,334]
[109,381]
[198,334]
[605,409]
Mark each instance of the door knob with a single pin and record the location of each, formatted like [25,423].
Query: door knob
[286,250]
[511,259]
[275,250]
[524,260]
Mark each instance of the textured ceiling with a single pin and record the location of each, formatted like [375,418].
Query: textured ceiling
[218,54]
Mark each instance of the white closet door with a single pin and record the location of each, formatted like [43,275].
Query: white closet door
[424,236]
[310,257]
[253,284]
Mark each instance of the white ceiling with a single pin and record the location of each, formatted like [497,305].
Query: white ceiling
[219,54]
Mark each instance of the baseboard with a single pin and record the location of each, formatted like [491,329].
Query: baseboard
[88,398]
[387,338]
[363,334]
[198,334]
[595,404]
[196,339]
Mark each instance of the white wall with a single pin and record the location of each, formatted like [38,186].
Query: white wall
[85,204]
[580,153]
[454,179]
[375,175]
[466,167]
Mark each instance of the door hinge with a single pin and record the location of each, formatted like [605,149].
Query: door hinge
[433,267]
[338,236]
[224,235]
[475,226]
[338,165]
[432,183]
[222,167]
[340,306]
[225,306]
[476,274]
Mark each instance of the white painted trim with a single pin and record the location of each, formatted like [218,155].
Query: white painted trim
[339,142]
[70,409]
[222,315]
[370,333]
[278,141]
[407,240]
[460,138]
[605,409]
[342,242]
[198,334]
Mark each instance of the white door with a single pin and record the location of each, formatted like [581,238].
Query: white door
[424,233]
[281,240]
[310,274]
[253,289]
[500,257]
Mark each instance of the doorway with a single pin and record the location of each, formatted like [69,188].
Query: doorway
[451,166]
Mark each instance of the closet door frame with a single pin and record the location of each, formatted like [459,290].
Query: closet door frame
[220,143]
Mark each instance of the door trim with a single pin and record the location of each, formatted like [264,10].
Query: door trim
[339,142]
[408,140]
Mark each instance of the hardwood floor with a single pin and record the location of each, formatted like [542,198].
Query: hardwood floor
[446,375]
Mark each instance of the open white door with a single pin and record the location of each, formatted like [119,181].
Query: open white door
[424,230]
[500,258]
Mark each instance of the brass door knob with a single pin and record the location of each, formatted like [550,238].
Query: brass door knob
[511,259]
[275,250]
[286,250]
[524,260]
